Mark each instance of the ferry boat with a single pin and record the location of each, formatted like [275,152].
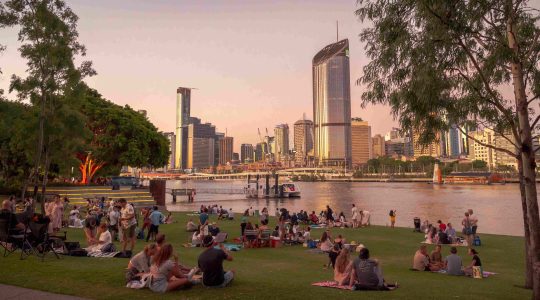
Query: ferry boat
[289,190]
[474,178]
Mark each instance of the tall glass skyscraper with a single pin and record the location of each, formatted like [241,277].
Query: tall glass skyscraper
[183,107]
[332,105]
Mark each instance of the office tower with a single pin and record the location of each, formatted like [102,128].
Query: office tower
[200,141]
[183,106]
[378,146]
[219,136]
[281,138]
[246,153]
[260,150]
[303,141]
[392,134]
[332,105]
[172,141]
[481,152]
[361,143]
[400,146]
[225,150]
[235,157]
[433,149]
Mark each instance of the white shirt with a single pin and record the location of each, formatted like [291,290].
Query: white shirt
[125,212]
[307,235]
[113,217]
[105,238]
[231,214]
[355,213]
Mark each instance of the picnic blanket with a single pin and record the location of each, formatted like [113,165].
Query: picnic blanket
[102,254]
[332,284]
[485,274]
[231,247]
[317,226]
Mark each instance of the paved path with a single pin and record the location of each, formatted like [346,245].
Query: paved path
[9,292]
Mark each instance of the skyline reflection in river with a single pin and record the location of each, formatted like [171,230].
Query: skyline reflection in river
[498,207]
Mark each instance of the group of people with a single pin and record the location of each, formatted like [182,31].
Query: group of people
[445,233]
[159,265]
[451,264]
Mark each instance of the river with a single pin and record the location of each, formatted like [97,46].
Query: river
[498,207]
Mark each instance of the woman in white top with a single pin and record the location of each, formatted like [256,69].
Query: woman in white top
[74,219]
[104,238]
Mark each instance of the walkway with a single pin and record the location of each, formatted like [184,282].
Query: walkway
[9,292]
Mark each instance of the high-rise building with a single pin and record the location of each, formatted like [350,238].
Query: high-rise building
[172,141]
[378,146]
[454,142]
[219,136]
[281,138]
[225,150]
[260,150]
[303,141]
[236,157]
[332,105]
[480,151]
[433,149]
[246,153]
[362,147]
[183,107]
[400,146]
[392,134]
[200,152]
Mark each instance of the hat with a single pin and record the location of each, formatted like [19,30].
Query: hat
[208,241]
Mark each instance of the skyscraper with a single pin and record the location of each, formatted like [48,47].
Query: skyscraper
[200,141]
[332,105]
[433,149]
[172,148]
[378,146]
[303,141]
[246,153]
[225,150]
[183,107]
[362,147]
[281,138]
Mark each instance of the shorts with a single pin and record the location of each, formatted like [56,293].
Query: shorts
[129,232]
[153,228]
[228,277]
[473,229]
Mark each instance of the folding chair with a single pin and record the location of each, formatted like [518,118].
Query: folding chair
[264,239]
[15,241]
[41,241]
[250,238]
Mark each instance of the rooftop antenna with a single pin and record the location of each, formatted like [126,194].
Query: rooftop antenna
[337,31]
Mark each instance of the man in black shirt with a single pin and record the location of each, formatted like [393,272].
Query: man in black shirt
[12,222]
[211,263]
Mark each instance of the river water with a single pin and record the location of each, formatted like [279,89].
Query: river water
[498,207]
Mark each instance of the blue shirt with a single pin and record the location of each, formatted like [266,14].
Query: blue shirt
[203,217]
[156,217]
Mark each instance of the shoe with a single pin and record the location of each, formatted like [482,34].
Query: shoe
[192,272]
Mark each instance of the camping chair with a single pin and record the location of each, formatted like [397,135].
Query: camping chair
[41,241]
[264,239]
[250,238]
[10,242]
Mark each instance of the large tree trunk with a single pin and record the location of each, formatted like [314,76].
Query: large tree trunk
[45,179]
[528,263]
[526,149]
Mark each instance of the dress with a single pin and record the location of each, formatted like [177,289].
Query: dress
[57,215]
[160,275]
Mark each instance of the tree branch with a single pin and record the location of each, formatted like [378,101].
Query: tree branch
[487,145]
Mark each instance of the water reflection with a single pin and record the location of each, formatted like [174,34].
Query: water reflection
[497,207]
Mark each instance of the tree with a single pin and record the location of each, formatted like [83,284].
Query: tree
[120,137]
[479,164]
[48,33]
[443,63]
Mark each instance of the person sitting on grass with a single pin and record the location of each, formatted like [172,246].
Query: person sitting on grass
[211,264]
[191,226]
[476,262]
[140,263]
[313,219]
[104,238]
[196,239]
[436,257]
[421,260]
[90,226]
[15,227]
[367,273]
[453,263]
[166,273]
[343,267]
[450,233]
[306,236]
[230,214]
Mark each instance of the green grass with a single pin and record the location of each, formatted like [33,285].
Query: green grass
[287,272]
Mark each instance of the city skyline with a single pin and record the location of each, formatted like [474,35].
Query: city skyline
[143,51]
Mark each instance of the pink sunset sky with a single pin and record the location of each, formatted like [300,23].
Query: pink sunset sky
[250,60]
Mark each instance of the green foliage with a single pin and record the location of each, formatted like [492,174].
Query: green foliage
[121,136]
[479,164]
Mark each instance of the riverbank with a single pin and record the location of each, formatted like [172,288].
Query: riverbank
[283,272]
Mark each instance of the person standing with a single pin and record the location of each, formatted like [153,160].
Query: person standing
[392,218]
[203,217]
[156,218]
[474,222]
[354,218]
[467,229]
[211,264]
[128,222]
[366,216]
[329,216]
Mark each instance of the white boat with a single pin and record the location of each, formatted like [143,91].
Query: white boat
[289,190]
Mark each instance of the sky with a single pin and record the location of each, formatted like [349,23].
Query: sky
[249,60]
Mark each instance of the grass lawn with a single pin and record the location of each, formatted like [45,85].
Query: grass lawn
[284,272]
